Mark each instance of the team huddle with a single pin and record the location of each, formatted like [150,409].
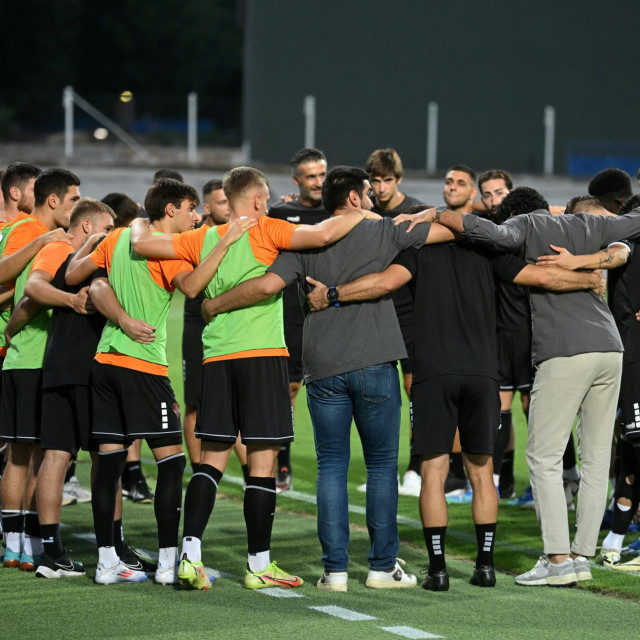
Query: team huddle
[466,296]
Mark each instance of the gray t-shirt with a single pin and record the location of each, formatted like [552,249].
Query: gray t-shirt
[358,334]
[564,323]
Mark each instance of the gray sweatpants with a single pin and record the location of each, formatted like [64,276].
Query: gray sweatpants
[586,384]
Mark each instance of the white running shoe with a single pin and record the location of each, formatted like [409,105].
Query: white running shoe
[336,581]
[73,488]
[411,484]
[394,579]
[118,574]
[166,576]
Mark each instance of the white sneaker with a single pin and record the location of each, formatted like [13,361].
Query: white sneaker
[73,488]
[336,581]
[394,579]
[119,573]
[166,576]
[68,499]
[411,484]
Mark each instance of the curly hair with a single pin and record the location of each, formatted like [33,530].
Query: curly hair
[520,200]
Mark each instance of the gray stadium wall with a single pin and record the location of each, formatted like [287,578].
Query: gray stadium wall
[491,66]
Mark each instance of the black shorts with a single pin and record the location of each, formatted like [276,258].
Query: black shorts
[293,340]
[67,419]
[192,362]
[515,371]
[20,410]
[246,395]
[129,404]
[440,404]
[629,400]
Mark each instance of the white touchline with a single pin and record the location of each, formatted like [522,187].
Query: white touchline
[277,592]
[344,614]
[410,632]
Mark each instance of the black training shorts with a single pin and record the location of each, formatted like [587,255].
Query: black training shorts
[192,362]
[246,395]
[129,404]
[20,410]
[442,403]
[515,372]
[67,419]
[293,340]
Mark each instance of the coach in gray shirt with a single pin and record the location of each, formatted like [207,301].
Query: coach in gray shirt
[349,356]
[578,356]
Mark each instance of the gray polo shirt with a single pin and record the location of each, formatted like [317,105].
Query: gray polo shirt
[564,323]
[354,335]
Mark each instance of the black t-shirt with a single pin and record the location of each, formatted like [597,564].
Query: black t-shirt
[297,214]
[73,338]
[624,302]
[454,307]
[403,207]
[402,298]
[513,311]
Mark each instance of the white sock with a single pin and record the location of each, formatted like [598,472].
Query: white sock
[260,561]
[33,546]
[168,557]
[108,557]
[191,547]
[13,540]
[613,541]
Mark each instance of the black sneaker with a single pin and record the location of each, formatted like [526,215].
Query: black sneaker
[507,488]
[63,567]
[436,581]
[139,492]
[484,576]
[453,483]
[135,561]
[283,480]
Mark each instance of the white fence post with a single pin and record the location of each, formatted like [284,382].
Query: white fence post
[67,103]
[309,111]
[549,139]
[432,137]
[192,128]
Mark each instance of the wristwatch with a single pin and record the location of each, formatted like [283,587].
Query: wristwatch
[439,211]
[332,296]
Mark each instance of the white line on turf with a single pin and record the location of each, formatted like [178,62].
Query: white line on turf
[410,632]
[343,614]
[277,592]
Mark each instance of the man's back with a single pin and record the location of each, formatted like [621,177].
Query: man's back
[351,336]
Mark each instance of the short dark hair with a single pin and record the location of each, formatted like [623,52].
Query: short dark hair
[167,173]
[88,208]
[238,180]
[167,191]
[611,182]
[464,169]
[17,174]
[632,203]
[53,181]
[212,185]
[126,210]
[305,155]
[578,204]
[519,201]
[495,174]
[339,183]
[383,162]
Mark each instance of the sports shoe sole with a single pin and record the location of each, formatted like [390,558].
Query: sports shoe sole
[46,572]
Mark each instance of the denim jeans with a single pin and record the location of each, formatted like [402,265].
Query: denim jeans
[371,397]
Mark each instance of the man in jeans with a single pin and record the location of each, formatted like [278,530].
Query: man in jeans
[349,356]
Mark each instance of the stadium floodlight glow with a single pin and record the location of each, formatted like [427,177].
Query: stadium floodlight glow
[101,133]
[126,96]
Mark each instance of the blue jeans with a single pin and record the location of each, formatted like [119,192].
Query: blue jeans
[371,397]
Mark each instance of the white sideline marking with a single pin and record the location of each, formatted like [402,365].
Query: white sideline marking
[278,592]
[344,614]
[409,632]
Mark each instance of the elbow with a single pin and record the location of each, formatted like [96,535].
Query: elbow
[386,287]
[323,238]
[269,289]
[190,292]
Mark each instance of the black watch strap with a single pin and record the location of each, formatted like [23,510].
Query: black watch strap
[332,296]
